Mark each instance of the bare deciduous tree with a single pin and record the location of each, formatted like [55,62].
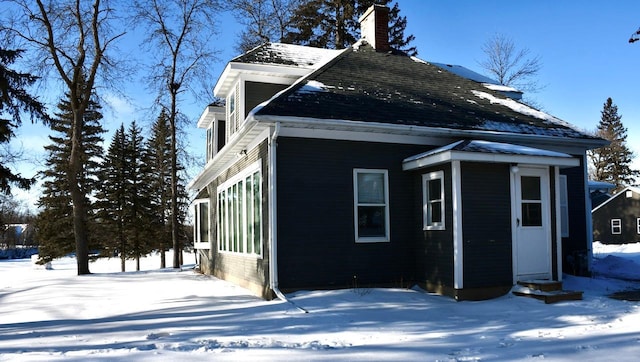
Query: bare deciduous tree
[511,66]
[179,34]
[263,20]
[71,37]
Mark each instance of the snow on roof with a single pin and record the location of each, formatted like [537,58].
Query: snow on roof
[522,108]
[466,73]
[490,147]
[287,54]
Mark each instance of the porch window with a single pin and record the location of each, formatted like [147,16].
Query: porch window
[201,217]
[564,207]
[239,219]
[433,200]
[616,226]
[371,205]
[531,201]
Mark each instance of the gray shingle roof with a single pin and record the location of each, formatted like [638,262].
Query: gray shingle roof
[393,88]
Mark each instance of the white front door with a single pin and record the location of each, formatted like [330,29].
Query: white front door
[532,224]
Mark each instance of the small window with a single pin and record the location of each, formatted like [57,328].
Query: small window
[210,143]
[371,205]
[616,226]
[564,207]
[638,225]
[433,200]
[202,227]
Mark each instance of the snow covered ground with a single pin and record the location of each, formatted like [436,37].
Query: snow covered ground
[168,315]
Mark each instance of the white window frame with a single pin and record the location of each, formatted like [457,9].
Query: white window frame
[638,225]
[356,204]
[234,218]
[427,201]
[210,143]
[564,206]
[616,226]
[197,240]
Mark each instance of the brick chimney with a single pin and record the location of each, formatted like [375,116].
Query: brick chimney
[374,27]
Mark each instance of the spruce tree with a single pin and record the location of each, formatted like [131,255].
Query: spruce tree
[612,163]
[112,197]
[334,24]
[55,222]
[14,101]
[159,150]
[137,196]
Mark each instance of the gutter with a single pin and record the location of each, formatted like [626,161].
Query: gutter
[273,221]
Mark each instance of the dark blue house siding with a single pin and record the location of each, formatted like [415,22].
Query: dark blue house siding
[574,247]
[316,242]
[434,249]
[486,212]
[627,209]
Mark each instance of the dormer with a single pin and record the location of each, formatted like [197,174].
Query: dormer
[213,120]
[254,77]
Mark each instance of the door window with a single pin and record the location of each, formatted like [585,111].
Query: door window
[531,201]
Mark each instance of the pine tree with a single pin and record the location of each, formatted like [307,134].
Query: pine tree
[159,149]
[334,24]
[55,222]
[14,100]
[612,163]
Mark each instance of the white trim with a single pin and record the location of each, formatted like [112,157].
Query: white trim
[426,200]
[456,195]
[618,226]
[197,243]
[558,177]
[562,189]
[638,225]
[514,231]
[255,167]
[371,239]
[622,192]
[448,156]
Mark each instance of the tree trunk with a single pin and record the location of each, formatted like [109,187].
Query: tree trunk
[163,258]
[174,184]
[77,196]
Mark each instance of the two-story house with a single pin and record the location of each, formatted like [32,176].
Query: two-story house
[364,166]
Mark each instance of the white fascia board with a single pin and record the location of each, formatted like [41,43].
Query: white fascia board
[448,156]
[233,71]
[209,114]
[558,144]
[248,137]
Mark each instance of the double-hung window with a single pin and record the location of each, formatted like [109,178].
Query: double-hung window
[433,200]
[616,226]
[371,205]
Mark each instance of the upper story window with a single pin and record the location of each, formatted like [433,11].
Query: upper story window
[233,119]
[433,197]
[210,141]
[371,205]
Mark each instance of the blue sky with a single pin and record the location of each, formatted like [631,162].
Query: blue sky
[583,47]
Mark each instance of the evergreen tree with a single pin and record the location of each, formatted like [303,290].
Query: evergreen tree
[159,149]
[612,163]
[112,196]
[14,100]
[334,24]
[55,222]
[138,195]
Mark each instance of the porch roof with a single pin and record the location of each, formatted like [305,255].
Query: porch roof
[487,151]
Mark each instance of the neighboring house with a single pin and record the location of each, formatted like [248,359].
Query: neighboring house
[599,192]
[617,220]
[368,167]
